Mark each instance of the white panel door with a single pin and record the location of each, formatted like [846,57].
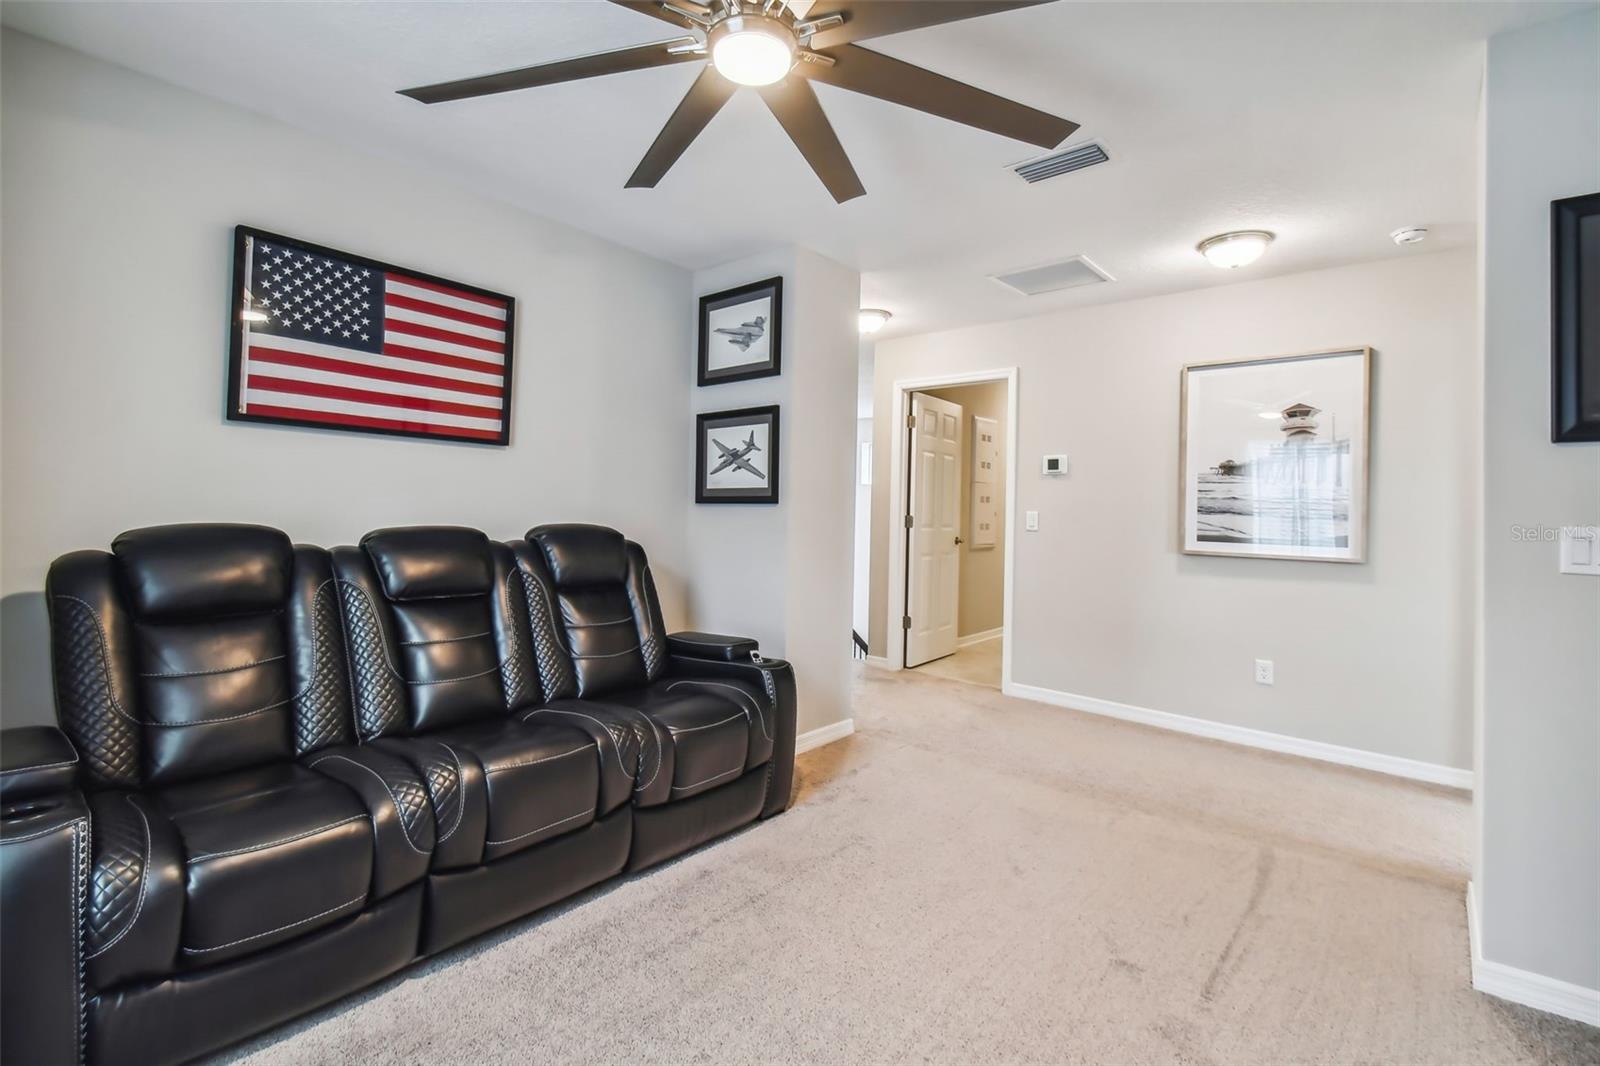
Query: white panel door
[933,573]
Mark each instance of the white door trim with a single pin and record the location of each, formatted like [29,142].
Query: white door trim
[894,532]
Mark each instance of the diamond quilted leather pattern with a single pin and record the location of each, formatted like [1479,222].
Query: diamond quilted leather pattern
[412,799]
[555,668]
[121,850]
[444,785]
[320,710]
[654,655]
[106,737]
[521,688]
[380,703]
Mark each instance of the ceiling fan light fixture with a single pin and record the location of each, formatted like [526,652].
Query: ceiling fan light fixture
[873,319]
[1232,250]
[752,49]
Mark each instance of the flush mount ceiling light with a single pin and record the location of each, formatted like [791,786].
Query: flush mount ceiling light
[1409,235]
[873,319]
[752,49]
[1236,249]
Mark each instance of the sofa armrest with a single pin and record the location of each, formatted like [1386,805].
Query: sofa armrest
[35,760]
[775,677]
[45,850]
[715,646]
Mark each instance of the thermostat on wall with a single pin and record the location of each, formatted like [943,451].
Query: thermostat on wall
[1056,466]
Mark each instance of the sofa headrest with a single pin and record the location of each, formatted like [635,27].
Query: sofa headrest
[427,562]
[192,571]
[582,555]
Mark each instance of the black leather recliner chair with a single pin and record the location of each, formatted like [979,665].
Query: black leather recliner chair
[283,773]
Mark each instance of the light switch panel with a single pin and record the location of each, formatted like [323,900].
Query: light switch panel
[1030,521]
[1580,550]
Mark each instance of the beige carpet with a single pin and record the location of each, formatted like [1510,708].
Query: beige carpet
[972,878]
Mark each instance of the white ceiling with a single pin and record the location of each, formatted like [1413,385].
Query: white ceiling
[1330,124]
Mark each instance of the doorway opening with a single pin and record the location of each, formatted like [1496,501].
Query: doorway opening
[951,534]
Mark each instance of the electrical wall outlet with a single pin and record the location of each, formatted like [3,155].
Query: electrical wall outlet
[1263,671]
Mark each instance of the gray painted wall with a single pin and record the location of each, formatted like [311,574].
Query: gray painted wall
[120,194]
[1537,872]
[1374,656]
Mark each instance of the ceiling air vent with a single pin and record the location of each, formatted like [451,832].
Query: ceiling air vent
[1067,274]
[1064,162]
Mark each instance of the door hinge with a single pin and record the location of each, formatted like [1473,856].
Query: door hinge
[911,421]
[909,522]
[905,621]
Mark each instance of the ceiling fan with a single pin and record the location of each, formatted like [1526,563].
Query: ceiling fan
[761,43]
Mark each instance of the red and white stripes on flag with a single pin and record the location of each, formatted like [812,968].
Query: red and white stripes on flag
[436,364]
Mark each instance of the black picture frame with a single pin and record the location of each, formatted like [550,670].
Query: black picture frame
[770,289]
[1575,319]
[737,420]
[236,331]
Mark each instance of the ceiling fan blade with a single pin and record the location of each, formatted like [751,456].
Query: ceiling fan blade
[641,57]
[794,102]
[876,18]
[659,10]
[874,74]
[705,98]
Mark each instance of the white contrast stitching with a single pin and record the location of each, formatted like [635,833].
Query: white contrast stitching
[695,729]
[399,812]
[536,762]
[384,644]
[144,883]
[735,688]
[443,640]
[42,766]
[580,714]
[707,781]
[542,828]
[461,791]
[608,655]
[676,639]
[274,843]
[245,940]
[594,625]
[221,669]
[111,691]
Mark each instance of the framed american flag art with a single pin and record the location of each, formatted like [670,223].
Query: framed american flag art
[337,341]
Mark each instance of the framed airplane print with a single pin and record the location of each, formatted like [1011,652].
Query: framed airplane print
[1273,456]
[331,340]
[736,456]
[741,333]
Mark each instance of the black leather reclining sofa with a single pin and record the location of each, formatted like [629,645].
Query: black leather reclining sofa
[284,773]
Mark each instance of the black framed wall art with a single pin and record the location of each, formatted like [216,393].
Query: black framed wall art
[736,456]
[324,338]
[741,333]
[1575,319]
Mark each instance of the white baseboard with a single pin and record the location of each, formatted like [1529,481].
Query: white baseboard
[979,638]
[816,738]
[1524,987]
[1433,773]
[881,662]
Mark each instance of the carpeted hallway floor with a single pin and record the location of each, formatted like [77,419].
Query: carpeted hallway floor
[972,878]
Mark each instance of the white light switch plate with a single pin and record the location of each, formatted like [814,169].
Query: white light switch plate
[1031,521]
[1580,550]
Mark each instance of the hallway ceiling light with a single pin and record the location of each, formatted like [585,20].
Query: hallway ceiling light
[873,319]
[1236,249]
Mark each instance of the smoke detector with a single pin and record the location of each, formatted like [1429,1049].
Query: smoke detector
[1409,235]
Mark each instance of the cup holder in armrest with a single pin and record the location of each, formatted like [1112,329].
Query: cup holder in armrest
[15,812]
